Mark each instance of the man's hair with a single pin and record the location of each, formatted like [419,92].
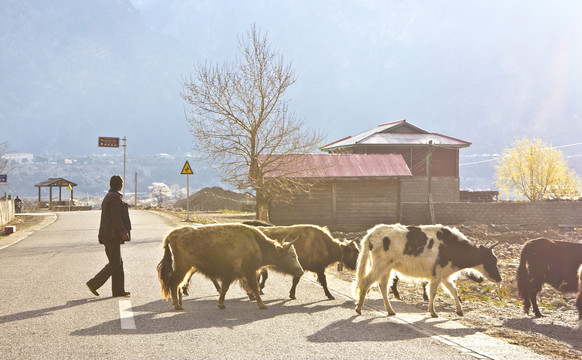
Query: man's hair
[116,182]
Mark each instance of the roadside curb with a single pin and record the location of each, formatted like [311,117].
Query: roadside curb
[18,236]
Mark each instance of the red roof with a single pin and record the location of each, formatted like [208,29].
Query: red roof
[336,166]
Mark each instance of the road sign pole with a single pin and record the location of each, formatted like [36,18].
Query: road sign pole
[187,170]
[188,198]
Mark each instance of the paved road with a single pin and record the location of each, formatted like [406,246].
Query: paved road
[48,313]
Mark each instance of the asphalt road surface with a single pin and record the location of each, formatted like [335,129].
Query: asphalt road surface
[47,312]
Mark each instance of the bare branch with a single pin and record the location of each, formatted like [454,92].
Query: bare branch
[239,111]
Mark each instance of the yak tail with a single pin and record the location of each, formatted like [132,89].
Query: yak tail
[523,290]
[363,261]
[165,271]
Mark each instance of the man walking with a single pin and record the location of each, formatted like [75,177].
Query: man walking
[114,230]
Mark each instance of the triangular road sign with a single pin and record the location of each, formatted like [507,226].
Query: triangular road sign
[187,170]
[70,187]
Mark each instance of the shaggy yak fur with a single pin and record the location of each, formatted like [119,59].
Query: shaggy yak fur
[547,261]
[227,252]
[316,250]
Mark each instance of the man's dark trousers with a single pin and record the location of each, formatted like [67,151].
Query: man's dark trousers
[113,269]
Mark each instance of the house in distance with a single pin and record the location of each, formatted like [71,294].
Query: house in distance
[429,156]
[364,179]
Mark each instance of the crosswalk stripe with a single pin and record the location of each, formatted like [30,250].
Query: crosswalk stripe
[126,315]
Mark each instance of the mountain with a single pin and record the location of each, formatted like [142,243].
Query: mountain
[485,72]
[74,70]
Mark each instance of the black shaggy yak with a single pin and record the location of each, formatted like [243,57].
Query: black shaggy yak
[544,261]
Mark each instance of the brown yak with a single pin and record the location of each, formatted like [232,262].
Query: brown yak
[227,252]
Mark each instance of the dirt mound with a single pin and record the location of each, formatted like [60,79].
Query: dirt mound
[215,199]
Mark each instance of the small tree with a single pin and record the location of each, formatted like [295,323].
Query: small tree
[160,192]
[536,171]
[239,112]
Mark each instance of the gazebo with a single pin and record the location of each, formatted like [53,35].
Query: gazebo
[55,182]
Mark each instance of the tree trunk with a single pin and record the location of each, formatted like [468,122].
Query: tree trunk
[262,212]
[261,206]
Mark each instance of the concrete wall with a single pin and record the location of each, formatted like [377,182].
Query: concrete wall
[6,211]
[551,213]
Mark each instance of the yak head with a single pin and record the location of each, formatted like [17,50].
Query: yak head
[350,254]
[488,262]
[286,258]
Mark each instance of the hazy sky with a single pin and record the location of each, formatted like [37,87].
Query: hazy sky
[447,66]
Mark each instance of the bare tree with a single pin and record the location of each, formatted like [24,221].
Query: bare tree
[239,112]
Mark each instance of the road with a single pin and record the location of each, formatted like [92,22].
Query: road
[47,311]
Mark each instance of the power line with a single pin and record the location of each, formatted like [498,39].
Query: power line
[499,157]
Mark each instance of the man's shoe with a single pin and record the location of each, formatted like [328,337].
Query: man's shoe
[123,294]
[92,288]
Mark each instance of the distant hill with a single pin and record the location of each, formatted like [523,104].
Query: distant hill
[216,198]
[74,70]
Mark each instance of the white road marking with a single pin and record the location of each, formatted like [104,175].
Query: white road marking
[126,315]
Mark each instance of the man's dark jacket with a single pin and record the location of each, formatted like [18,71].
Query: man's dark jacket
[114,218]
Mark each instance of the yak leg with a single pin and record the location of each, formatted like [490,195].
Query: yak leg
[424,294]
[433,286]
[323,281]
[453,290]
[223,290]
[394,287]
[253,284]
[294,287]
[262,276]
[362,286]
[216,285]
[175,281]
[534,288]
[534,303]
[383,285]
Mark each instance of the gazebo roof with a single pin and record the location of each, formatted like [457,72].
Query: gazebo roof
[53,182]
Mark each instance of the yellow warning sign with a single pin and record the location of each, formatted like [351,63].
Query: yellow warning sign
[187,170]
[70,187]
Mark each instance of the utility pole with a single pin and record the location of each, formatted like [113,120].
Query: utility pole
[429,173]
[135,187]
[124,147]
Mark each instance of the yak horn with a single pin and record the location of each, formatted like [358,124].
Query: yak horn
[290,242]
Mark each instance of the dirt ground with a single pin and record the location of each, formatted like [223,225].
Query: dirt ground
[494,309]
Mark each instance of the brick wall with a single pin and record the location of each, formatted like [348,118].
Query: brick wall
[550,213]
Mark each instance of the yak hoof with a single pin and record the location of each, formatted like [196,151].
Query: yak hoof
[221,306]
[359,310]
[330,297]
[434,315]
[539,315]
[292,297]
[178,307]
[460,313]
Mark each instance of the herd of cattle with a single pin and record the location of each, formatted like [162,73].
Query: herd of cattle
[436,254]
